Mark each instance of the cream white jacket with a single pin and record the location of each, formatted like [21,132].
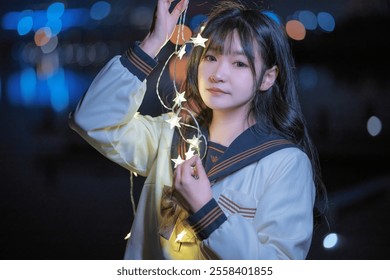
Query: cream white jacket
[278,190]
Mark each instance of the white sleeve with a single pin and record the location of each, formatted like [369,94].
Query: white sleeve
[105,118]
[283,224]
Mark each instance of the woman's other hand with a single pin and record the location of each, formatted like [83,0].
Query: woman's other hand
[192,184]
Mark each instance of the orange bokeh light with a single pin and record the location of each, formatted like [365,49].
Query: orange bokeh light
[296,30]
[178,74]
[186,31]
[42,37]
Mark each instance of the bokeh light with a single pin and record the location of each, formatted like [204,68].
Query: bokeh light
[28,82]
[50,46]
[308,19]
[25,25]
[42,36]
[185,34]
[330,241]
[308,77]
[59,94]
[374,126]
[100,10]
[326,21]
[178,69]
[55,11]
[295,30]
[197,21]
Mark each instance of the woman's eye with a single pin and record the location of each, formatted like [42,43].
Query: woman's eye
[209,57]
[241,64]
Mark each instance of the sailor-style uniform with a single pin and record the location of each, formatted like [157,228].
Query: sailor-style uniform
[262,185]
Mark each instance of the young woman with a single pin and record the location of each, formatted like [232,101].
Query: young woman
[248,185]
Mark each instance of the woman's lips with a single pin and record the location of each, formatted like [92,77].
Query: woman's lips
[216,91]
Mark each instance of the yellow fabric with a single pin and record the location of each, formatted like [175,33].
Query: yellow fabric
[182,243]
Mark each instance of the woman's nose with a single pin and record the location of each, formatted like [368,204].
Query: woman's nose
[219,73]
[215,78]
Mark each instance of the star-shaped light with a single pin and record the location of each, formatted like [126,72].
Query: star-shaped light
[179,98]
[174,121]
[189,154]
[177,161]
[182,52]
[199,41]
[194,142]
[180,236]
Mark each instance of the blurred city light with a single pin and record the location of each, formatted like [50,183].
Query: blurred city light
[330,241]
[196,21]
[295,30]
[374,126]
[100,10]
[308,19]
[326,21]
[184,36]
[308,77]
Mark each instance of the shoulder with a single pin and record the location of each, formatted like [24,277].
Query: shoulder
[290,154]
[287,160]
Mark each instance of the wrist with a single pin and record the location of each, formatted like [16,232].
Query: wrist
[151,45]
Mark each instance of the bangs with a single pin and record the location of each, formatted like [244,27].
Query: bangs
[220,39]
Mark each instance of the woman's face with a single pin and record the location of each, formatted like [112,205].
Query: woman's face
[226,81]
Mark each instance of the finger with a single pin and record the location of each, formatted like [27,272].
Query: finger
[200,169]
[177,176]
[189,167]
[179,8]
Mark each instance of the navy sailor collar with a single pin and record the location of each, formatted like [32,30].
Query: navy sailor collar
[249,147]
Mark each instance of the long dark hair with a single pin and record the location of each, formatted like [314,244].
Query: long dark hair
[276,110]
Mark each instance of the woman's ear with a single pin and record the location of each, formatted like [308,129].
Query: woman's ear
[269,78]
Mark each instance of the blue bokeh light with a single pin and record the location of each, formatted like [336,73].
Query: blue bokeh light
[70,18]
[197,21]
[28,82]
[55,11]
[326,21]
[100,10]
[58,91]
[308,19]
[25,25]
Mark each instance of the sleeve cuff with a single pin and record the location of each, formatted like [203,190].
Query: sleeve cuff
[207,219]
[138,62]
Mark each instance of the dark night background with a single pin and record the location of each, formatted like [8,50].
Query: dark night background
[60,199]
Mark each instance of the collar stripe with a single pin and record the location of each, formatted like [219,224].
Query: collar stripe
[244,155]
[215,149]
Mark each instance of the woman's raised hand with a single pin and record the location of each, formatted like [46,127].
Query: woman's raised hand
[163,25]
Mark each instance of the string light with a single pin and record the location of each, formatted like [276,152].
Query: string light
[177,107]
